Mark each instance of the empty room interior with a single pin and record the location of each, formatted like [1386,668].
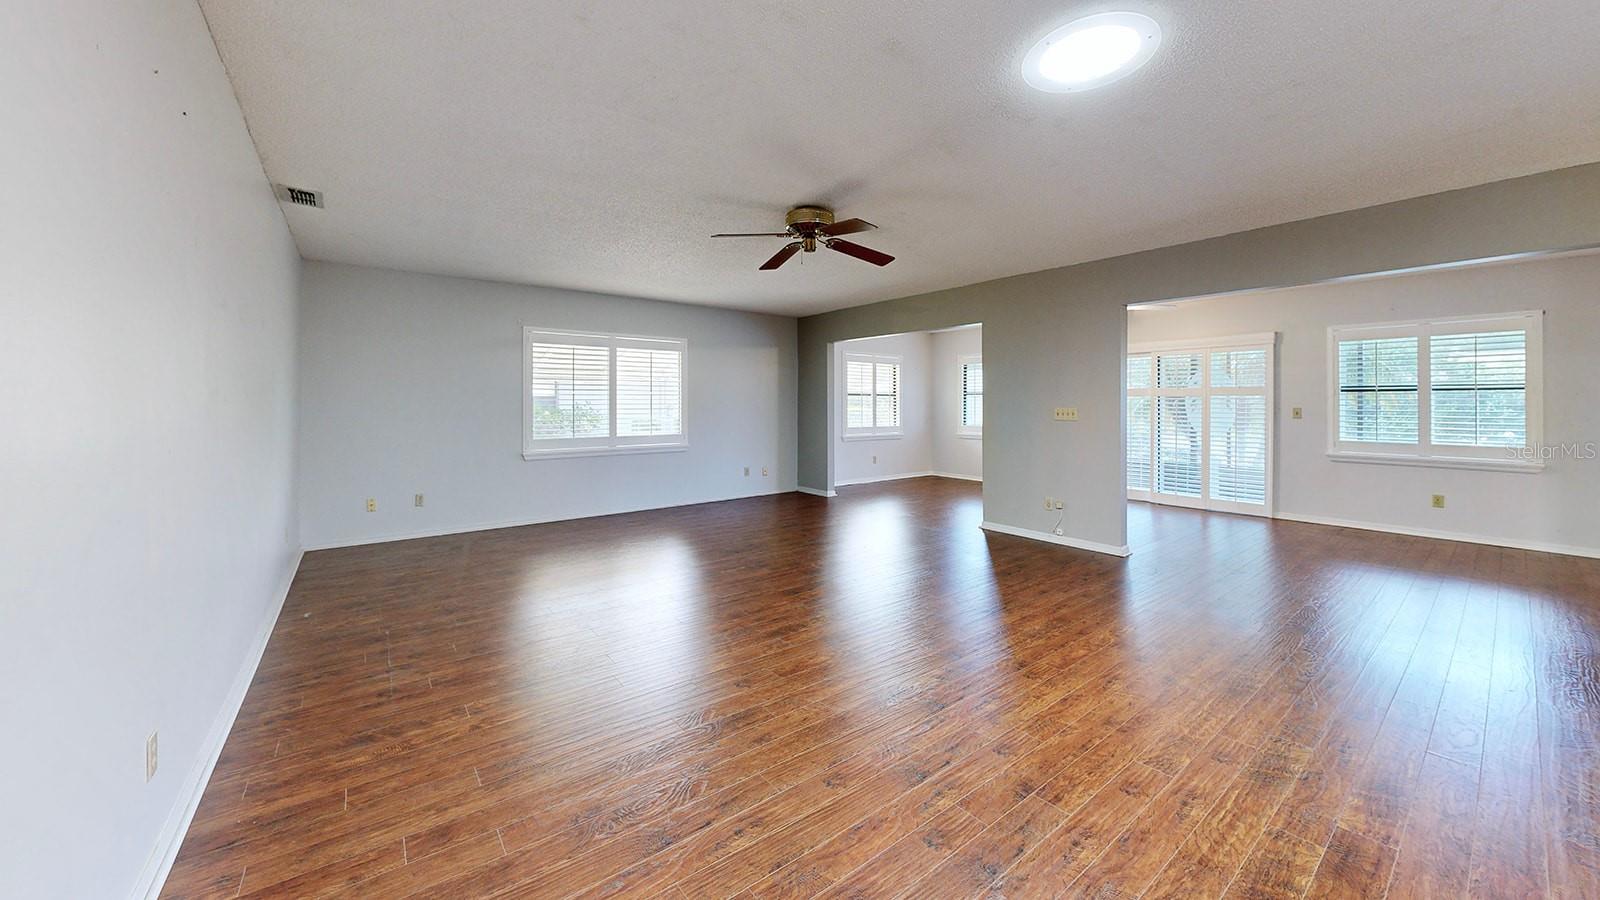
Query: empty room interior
[837,450]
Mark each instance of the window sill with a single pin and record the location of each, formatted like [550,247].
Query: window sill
[1518,466]
[564,453]
[881,436]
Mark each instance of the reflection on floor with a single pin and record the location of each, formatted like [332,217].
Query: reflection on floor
[868,696]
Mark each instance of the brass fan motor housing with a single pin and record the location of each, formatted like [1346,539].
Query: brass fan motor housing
[808,218]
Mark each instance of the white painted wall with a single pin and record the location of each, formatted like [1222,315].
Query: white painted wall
[413,383]
[953,452]
[860,460]
[1555,508]
[146,458]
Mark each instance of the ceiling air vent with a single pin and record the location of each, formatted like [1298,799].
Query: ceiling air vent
[299,196]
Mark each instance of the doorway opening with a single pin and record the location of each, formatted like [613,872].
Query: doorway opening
[906,406]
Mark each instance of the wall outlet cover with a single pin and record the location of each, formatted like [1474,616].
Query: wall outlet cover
[1438,501]
[1297,413]
[372,504]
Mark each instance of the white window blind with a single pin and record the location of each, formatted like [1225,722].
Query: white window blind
[570,391]
[1200,423]
[1378,390]
[887,392]
[596,393]
[1439,392]
[1238,425]
[1479,389]
[872,395]
[649,391]
[1139,412]
[972,395]
[1178,436]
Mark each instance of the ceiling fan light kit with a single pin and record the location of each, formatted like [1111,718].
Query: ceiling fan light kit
[808,227]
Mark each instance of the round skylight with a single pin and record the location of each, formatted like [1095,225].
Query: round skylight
[1091,51]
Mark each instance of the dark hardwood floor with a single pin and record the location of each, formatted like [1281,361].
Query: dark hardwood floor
[870,697]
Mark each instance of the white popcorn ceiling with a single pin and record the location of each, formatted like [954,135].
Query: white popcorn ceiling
[595,145]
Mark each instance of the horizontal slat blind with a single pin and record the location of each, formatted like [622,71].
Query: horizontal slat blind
[1239,447]
[972,394]
[1178,444]
[1139,429]
[1238,368]
[887,391]
[649,392]
[1139,372]
[858,388]
[1139,443]
[1179,370]
[1378,390]
[1479,389]
[570,388]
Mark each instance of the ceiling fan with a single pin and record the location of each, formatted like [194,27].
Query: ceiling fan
[809,226]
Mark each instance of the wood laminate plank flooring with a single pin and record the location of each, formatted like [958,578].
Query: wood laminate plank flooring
[868,696]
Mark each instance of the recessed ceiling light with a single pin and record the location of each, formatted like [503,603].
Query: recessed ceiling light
[1091,51]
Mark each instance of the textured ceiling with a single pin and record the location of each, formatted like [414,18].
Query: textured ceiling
[596,145]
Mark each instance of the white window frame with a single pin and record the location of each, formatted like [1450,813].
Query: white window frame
[1267,341]
[962,428]
[874,432]
[1425,452]
[555,448]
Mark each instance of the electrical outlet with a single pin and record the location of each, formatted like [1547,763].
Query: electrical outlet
[1066,414]
[1438,501]
[372,504]
[418,501]
[763,471]
[1049,503]
[150,759]
[874,459]
[1297,413]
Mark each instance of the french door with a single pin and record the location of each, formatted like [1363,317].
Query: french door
[1200,423]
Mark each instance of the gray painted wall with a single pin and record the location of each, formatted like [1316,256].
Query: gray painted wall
[1056,338]
[953,452]
[863,459]
[147,391]
[1554,509]
[412,384]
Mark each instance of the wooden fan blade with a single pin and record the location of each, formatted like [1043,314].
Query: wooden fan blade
[859,252]
[781,257]
[757,234]
[848,226]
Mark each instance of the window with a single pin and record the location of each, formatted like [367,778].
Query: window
[872,396]
[601,393]
[971,396]
[1139,422]
[1447,392]
[1200,423]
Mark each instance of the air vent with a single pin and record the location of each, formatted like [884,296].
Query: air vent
[299,196]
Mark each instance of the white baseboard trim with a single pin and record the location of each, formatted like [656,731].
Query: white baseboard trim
[165,852]
[1537,546]
[816,493]
[518,523]
[877,478]
[1049,538]
[977,478]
